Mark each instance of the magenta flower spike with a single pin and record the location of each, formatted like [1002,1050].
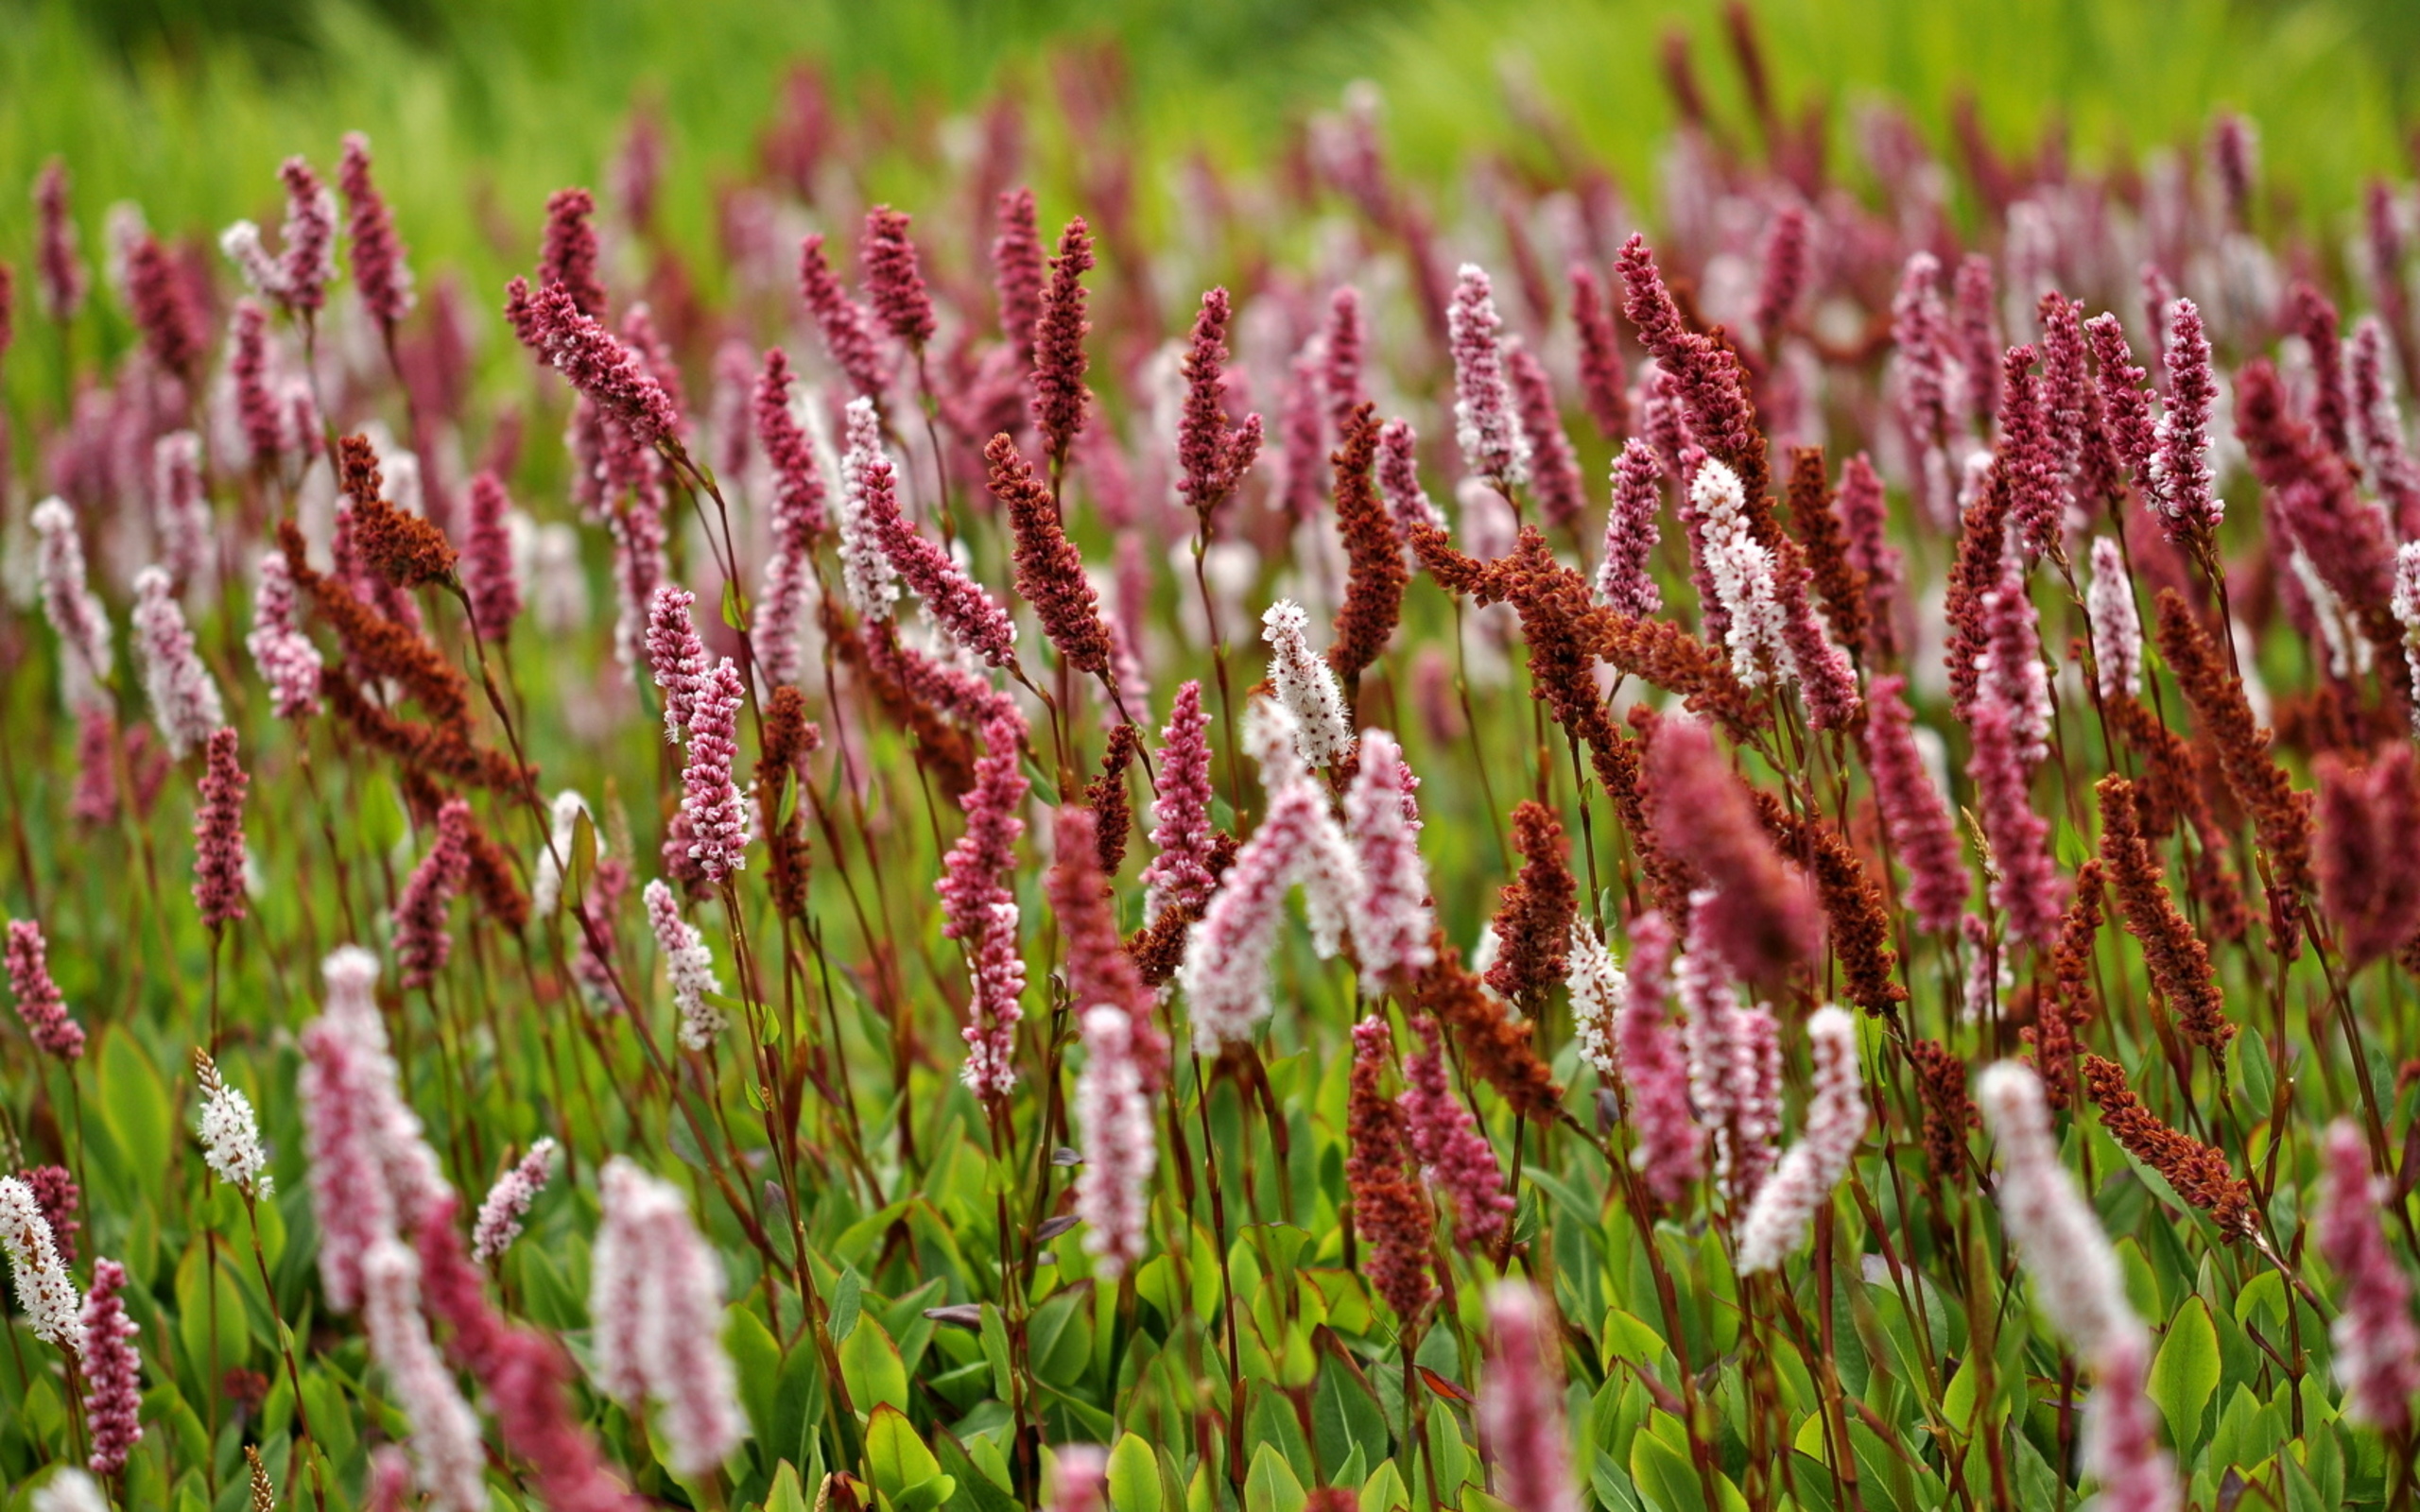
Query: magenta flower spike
[507,1203]
[2377,1346]
[1179,873]
[58,265]
[1486,423]
[39,1002]
[709,798]
[73,610]
[1524,1437]
[1447,1141]
[1776,1221]
[894,283]
[423,943]
[1392,920]
[676,658]
[655,1311]
[378,268]
[1119,1143]
[1398,474]
[848,327]
[979,910]
[218,834]
[112,1371]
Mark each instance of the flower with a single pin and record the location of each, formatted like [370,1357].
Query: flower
[848,326]
[508,1202]
[655,1307]
[893,281]
[689,965]
[298,278]
[1777,1219]
[1049,568]
[489,573]
[423,944]
[1520,1402]
[1398,474]
[378,268]
[2377,1348]
[185,696]
[112,1371]
[1450,1146]
[1114,1115]
[39,1002]
[1059,360]
[1390,1211]
[219,834]
[231,1136]
[709,798]
[1532,925]
[2077,1283]
[1179,873]
[1391,918]
[1624,582]
[286,660]
[444,1431]
[1305,685]
[1915,816]
[1486,426]
[74,611]
[45,1293]
[979,910]
[60,271]
[676,657]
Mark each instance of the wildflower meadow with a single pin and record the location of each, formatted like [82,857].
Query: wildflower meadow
[1175,837]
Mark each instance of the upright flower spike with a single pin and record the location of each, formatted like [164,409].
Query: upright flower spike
[848,327]
[1305,685]
[656,1314]
[1119,1140]
[1554,469]
[608,373]
[1058,359]
[710,799]
[422,942]
[1762,917]
[219,834]
[1597,986]
[298,278]
[2077,1283]
[568,250]
[2364,814]
[2117,627]
[979,910]
[1179,873]
[58,266]
[1225,971]
[39,1002]
[1049,568]
[1486,424]
[180,510]
[444,1431]
[378,268]
[2377,1346]
[675,657]
[72,608]
[1670,1149]
[1624,581]
[1017,270]
[1520,1402]
[1915,816]
[165,307]
[1533,926]
[1706,377]
[1375,572]
[1391,921]
[231,1136]
[689,966]
[1603,386]
[1391,1212]
[508,1203]
[1740,570]
[1450,1146]
[489,573]
[964,608]
[72,1490]
[1776,1222]
[2120,1445]
[285,658]
[44,1292]
[112,1371]
[1098,969]
[1398,474]
[868,493]
[2180,471]
[894,283]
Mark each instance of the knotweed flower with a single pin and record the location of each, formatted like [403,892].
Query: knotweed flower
[1740,570]
[2120,1439]
[71,1491]
[979,911]
[286,660]
[73,610]
[112,1371]
[1604,389]
[848,327]
[508,1203]
[489,573]
[2077,1283]
[1914,814]
[1624,582]
[1017,271]
[58,267]
[1776,1221]
[45,1293]
[1114,1113]
[1305,685]
[1398,474]
[1390,1213]
[709,798]
[1532,925]
[39,1002]
[1049,568]
[1099,971]
[568,253]
[1554,469]
[1597,989]
[971,616]
[656,1312]
[2181,474]
[2117,629]
[1179,874]
[2364,816]
[676,657]
[2377,1348]
[378,268]
[180,512]
[298,278]
[1225,969]
[165,306]
[1059,360]
[2378,442]
[231,1136]
[1450,1146]
[1391,919]
[867,488]
[444,1431]
[608,372]
[1671,1148]
[422,943]
[1082,1476]
[893,281]
[1486,426]
[1520,1402]
[689,965]
[219,834]
[60,1198]
[1762,918]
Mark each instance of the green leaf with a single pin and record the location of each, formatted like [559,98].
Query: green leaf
[756,1356]
[898,1458]
[848,1296]
[133,1104]
[786,1495]
[1271,1486]
[1345,1416]
[2187,1371]
[1664,1475]
[1133,1476]
[871,1365]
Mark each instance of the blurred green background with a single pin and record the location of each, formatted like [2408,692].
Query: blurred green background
[479,107]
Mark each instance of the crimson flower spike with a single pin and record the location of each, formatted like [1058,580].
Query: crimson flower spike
[568,254]
[1212,453]
[379,271]
[894,282]
[1058,359]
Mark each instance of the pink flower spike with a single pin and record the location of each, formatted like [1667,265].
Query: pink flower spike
[1493,445]
[72,608]
[112,1371]
[971,615]
[45,1293]
[2181,470]
[1342,341]
[1224,974]
[423,944]
[848,327]
[185,696]
[797,513]
[1119,1141]
[1213,454]
[2377,1348]
[1865,519]
[287,660]
[894,281]
[979,910]
[2121,1439]
[604,368]
[1624,582]
[180,510]
[676,657]
[1914,814]
[444,1429]
[2077,1283]
[2116,627]
[39,1002]
[1392,920]
[1554,469]
[709,798]
[1179,874]
[1448,1141]
[1398,470]
[656,1310]
[1521,1425]
[378,268]
[1305,685]
[1777,1219]
[508,1202]
[1603,386]
[219,834]
[1017,271]
[489,573]
[689,966]
[58,266]
[1099,971]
